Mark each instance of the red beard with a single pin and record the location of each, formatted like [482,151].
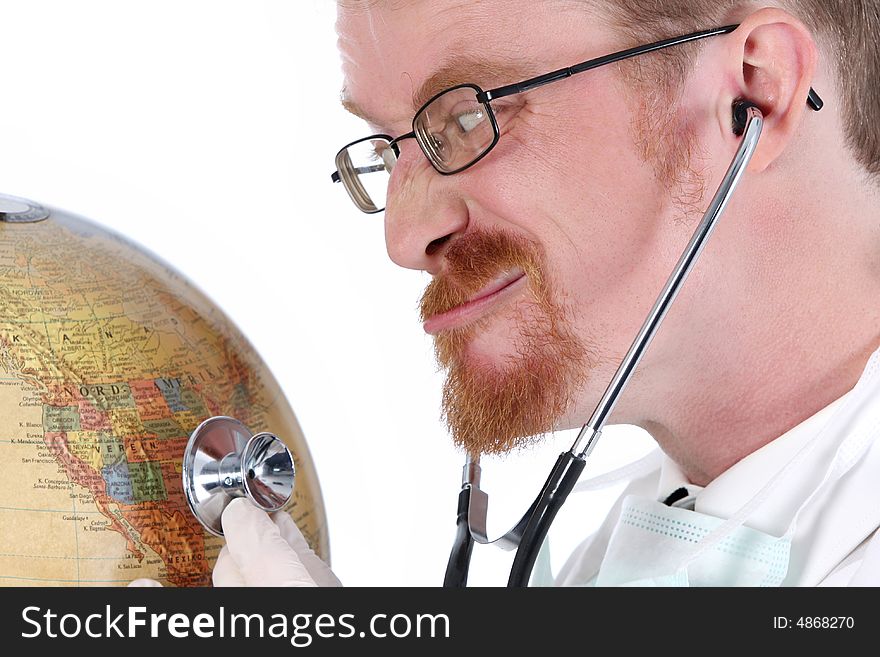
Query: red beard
[493,408]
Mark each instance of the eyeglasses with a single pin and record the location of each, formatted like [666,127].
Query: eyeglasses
[457,127]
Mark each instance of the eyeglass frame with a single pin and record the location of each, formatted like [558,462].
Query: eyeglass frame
[814,101]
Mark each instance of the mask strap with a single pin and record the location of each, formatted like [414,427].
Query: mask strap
[633,470]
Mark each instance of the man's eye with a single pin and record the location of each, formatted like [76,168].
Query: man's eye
[389,158]
[467,121]
[385,155]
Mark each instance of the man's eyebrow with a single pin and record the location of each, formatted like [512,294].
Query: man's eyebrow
[460,70]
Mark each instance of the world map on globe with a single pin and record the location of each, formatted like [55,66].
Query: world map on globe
[108,361]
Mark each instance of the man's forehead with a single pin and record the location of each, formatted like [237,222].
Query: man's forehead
[396,56]
[455,70]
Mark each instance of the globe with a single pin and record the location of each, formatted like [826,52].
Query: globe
[108,360]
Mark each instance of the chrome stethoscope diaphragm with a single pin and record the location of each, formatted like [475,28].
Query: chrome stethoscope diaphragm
[224,460]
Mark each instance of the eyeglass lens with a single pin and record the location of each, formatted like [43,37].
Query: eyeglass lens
[453,131]
[364,168]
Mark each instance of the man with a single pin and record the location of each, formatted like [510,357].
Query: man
[549,236]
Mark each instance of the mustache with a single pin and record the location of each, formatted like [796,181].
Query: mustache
[473,261]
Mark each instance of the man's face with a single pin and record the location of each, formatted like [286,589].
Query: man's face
[547,253]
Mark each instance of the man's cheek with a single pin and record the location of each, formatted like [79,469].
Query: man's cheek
[510,183]
[531,163]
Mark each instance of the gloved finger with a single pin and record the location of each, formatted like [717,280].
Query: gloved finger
[319,570]
[226,571]
[263,557]
[144,582]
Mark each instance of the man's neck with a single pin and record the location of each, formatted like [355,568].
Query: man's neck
[718,430]
[777,350]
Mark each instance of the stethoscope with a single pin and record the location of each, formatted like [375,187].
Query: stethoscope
[527,536]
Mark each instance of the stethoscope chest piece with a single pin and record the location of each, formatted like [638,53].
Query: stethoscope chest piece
[224,460]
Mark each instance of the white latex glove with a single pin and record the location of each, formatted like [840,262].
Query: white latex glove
[144,582]
[263,550]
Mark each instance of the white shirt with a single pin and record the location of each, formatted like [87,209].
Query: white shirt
[834,529]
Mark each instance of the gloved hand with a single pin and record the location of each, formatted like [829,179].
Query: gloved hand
[263,550]
[144,582]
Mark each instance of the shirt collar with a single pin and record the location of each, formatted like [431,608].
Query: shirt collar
[728,492]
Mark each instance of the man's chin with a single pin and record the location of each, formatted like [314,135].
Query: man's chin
[494,407]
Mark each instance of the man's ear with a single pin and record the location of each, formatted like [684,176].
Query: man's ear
[772,58]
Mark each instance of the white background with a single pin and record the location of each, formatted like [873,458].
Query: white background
[206,130]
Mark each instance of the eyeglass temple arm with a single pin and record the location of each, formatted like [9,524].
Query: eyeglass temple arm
[370,169]
[376,167]
[813,99]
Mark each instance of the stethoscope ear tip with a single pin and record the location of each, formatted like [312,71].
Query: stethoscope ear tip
[741,115]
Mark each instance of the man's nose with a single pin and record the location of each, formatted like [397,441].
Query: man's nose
[422,213]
